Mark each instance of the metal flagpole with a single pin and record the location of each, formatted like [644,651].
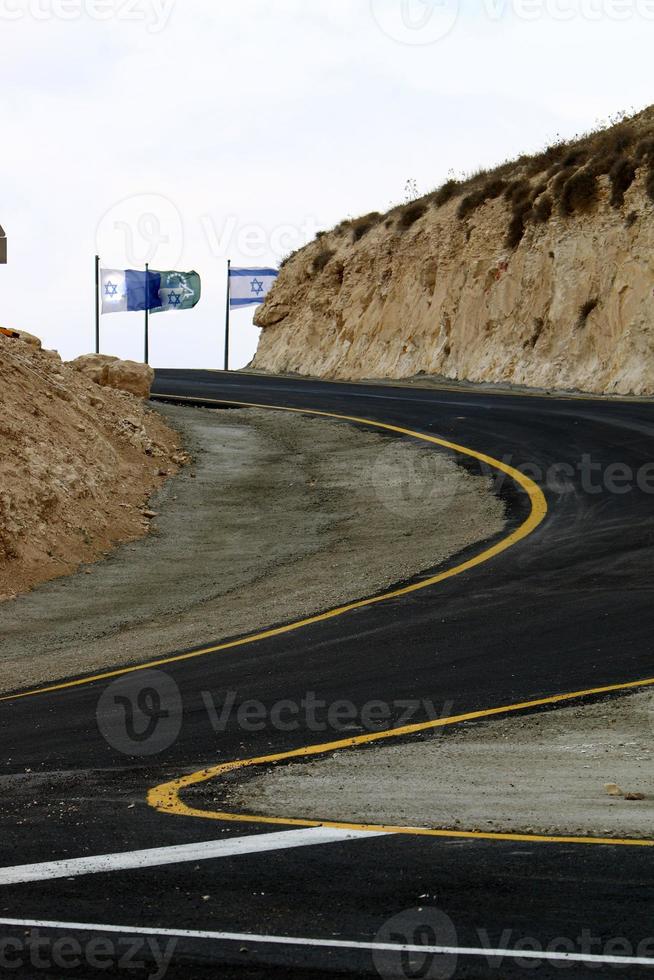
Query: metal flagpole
[147,313]
[97,304]
[229,265]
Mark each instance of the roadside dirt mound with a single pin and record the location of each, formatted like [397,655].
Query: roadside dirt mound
[538,273]
[77,466]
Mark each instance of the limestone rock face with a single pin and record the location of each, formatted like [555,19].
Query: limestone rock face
[111,372]
[570,306]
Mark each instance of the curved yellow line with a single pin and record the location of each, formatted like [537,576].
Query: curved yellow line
[166,797]
[537,513]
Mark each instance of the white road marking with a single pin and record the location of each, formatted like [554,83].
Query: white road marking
[179,853]
[241,937]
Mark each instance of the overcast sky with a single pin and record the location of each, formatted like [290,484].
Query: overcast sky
[189,131]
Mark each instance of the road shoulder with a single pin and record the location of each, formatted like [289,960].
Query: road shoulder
[280,515]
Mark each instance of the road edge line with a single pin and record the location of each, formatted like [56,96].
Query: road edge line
[538,512]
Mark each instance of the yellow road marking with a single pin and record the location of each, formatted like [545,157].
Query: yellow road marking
[166,797]
[537,513]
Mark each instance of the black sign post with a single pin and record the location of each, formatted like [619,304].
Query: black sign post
[97,304]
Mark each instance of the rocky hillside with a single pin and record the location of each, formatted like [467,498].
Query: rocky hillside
[539,273]
[78,462]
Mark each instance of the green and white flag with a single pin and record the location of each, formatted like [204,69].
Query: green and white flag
[177,291]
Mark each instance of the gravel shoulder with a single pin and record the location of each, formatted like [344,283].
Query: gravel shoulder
[279,515]
[544,773]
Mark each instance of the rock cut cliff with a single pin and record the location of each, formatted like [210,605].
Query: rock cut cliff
[538,273]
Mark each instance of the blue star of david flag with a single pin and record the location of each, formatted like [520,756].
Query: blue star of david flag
[122,290]
[248,287]
[125,290]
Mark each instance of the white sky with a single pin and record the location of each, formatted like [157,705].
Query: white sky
[190,131]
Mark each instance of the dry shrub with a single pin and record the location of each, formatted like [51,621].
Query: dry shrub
[603,164]
[622,137]
[542,209]
[631,219]
[549,157]
[579,192]
[644,151]
[517,190]
[649,183]
[519,216]
[470,203]
[521,198]
[287,258]
[613,141]
[445,193]
[494,188]
[574,158]
[515,230]
[559,181]
[361,226]
[623,174]
[410,214]
[322,258]
[608,147]
[490,190]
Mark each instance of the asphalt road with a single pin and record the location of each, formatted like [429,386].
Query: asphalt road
[569,608]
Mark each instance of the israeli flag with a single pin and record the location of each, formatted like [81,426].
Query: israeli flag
[122,290]
[249,287]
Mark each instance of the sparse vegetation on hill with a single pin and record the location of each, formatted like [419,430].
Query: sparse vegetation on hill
[410,214]
[452,283]
[361,226]
[565,173]
[322,258]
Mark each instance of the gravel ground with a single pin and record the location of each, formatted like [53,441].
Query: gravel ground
[280,515]
[541,773]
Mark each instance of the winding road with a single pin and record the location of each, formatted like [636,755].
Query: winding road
[116,824]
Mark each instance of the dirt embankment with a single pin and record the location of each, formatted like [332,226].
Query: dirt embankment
[539,273]
[279,516]
[77,465]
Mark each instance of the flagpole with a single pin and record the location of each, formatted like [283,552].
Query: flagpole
[229,265]
[97,304]
[147,313]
